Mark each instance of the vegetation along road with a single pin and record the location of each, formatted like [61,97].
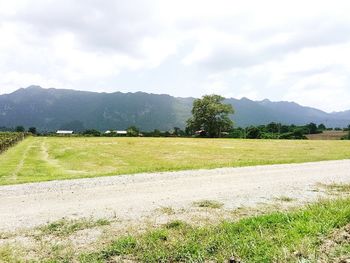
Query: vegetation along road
[133,197]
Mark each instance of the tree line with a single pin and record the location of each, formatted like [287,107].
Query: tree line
[211,118]
[272,130]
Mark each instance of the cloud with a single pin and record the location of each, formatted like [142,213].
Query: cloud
[275,49]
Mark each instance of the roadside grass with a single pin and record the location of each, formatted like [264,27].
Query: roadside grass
[65,227]
[340,188]
[289,235]
[294,236]
[167,210]
[57,253]
[335,189]
[5,235]
[52,158]
[342,252]
[208,204]
[284,199]
[9,254]
[53,242]
[336,248]
[176,224]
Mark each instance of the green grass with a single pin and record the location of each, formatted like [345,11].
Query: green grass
[277,237]
[9,254]
[176,224]
[42,159]
[67,227]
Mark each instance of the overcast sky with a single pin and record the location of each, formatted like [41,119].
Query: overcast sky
[281,50]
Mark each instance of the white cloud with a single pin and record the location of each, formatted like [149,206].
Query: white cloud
[282,50]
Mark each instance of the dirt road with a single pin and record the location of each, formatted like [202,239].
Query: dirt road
[136,196]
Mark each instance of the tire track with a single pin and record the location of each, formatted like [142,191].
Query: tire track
[20,165]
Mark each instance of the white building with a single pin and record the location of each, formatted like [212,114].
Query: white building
[121,132]
[63,132]
[117,132]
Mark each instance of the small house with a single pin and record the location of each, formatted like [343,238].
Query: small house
[64,132]
[121,132]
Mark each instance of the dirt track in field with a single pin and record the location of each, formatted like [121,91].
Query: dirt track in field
[133,197]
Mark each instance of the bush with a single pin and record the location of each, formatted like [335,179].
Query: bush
[92,132]
[132,131]
[296,135]
[8,139]
[253,133]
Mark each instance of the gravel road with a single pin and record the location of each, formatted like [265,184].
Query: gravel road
[136,196]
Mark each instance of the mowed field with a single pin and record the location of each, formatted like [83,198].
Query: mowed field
[51,158]
[328,135]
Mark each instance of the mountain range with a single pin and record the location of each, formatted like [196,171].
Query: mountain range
[52,109]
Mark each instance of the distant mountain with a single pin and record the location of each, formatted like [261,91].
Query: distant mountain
[265,111]
[344,115]
[51,109]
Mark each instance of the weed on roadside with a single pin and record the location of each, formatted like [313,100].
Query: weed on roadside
[208,204]
[66,227]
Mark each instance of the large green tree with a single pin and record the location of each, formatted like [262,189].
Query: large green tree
[32,130]
[211,115]
[20,129]
[133,131]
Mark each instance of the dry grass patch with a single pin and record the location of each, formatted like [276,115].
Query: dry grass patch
[167,210]
[208,204]
[327,135]
[342,188]
[336,189]
[336,248]
[284,199]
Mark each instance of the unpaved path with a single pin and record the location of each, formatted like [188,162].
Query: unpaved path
[136,196]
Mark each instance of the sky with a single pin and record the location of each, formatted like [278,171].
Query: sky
[281,50]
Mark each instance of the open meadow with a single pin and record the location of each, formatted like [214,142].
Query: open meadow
[52,158]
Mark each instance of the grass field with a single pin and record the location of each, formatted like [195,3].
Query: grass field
[42,159]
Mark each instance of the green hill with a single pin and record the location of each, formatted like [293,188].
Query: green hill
[51,109]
